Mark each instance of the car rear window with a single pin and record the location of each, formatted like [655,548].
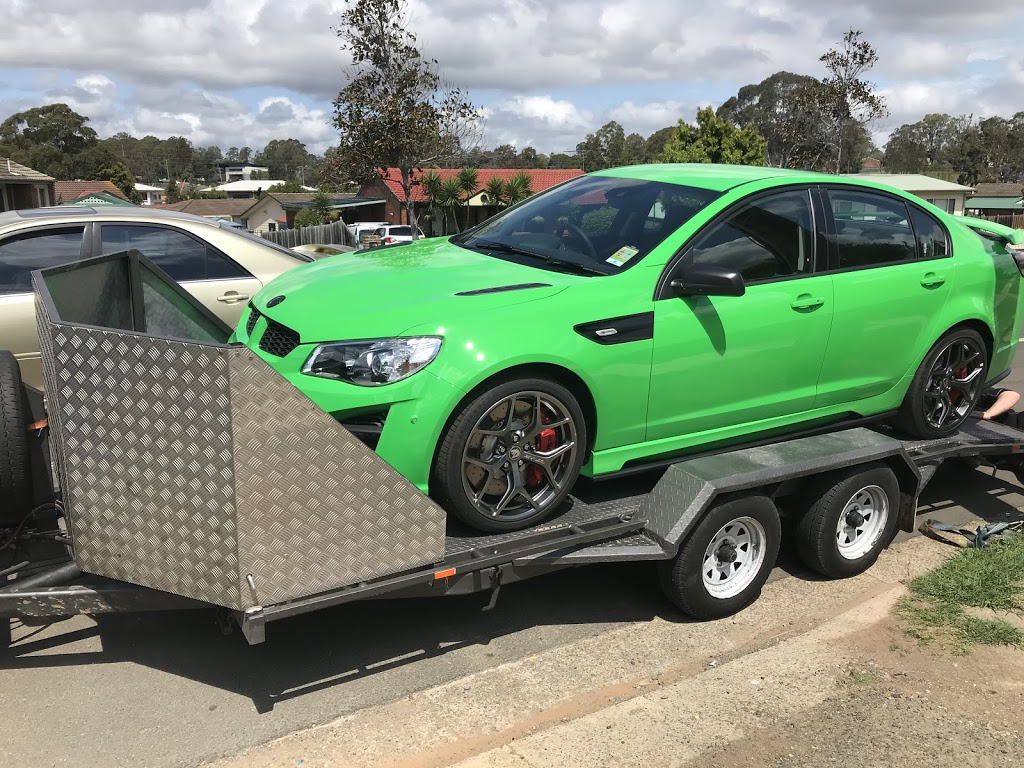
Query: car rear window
[400,231]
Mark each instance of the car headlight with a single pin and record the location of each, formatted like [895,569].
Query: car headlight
[373,362]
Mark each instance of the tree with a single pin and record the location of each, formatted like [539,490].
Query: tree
[518,188]
[495,189]
[845,99]
[394,112]
[288,186]
[469,185]
[605,148]
[172,192]
[286,159]
[122,178]
[55,125]
[714,141]
[655,143]
[782,110]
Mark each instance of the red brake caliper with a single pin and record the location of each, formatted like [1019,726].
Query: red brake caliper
[547,440]
[955,396]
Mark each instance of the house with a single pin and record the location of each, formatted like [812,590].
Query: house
[79,192]
[99,200]
[277,210]
[21,187]
[212,209]
[150,195]
[389,189]
[996,199]
[232,170]
[870,165]
[249,189]
[946,195]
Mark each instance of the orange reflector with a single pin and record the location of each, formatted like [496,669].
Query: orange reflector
[37,425]
[444,574]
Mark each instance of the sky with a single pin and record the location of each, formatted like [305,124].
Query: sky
[544,73]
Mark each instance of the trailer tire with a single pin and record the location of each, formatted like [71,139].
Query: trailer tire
[851,517]
[15,477]
[723,564]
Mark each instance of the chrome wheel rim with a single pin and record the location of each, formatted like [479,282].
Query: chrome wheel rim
[862,522]
[734,557]
[953,383]
[519,455]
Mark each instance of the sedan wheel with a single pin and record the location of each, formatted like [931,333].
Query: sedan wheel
[512,456]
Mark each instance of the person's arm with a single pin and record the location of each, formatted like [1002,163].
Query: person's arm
[1005,401]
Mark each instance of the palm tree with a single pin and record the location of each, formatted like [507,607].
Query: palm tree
[450,197]
[518,188]
[469,183]
[431,185]
[495,189]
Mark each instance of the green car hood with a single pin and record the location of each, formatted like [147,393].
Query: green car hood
[386,291]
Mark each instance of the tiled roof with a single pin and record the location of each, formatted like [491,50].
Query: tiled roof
[1000,190]
[216,207]
[540,179]
[66,191]
[12,171]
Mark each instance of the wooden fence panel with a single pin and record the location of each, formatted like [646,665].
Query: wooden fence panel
[335,233]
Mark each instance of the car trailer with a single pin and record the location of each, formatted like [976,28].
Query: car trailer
[189,474]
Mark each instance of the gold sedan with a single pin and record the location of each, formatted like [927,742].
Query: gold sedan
[219,265]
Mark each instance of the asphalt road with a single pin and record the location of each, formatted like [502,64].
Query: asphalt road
[170,689]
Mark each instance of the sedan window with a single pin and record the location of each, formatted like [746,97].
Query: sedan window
[21,254]
[932,242]
[180,256]
[871,229]
[770,238]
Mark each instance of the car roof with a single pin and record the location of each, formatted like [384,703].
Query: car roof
[74,213]
[718,178]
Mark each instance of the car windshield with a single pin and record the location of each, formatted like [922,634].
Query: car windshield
[595,224]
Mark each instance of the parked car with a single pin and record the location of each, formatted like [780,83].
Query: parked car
[322,250]
[637,314]
[361,228]
[396,233]
[216,262]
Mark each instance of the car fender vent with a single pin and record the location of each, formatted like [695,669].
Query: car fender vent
[503,289]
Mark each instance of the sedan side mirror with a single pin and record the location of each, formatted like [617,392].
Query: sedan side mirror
[709,281]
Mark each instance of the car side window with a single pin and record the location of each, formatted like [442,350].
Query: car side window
[768,238]
[38,249]
[871,229]
[180,256]
[932,240]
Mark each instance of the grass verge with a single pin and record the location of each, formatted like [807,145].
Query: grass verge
[988,578]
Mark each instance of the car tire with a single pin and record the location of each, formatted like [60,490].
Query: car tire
[850,518]
[723,565]
[936,387]
[487,480]
[15,476]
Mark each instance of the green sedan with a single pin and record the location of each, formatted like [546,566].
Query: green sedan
[637,314]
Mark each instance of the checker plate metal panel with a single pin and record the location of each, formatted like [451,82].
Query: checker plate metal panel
[317,509]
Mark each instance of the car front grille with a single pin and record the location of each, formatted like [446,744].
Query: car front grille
[254,315]
[278,340]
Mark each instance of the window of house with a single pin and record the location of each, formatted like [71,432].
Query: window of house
[180,256]
[947,204]
[871,229]
[39,249]
[42,197]
[769,238]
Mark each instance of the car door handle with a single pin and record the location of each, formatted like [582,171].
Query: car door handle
[933,280]
[233,297]
[806,301]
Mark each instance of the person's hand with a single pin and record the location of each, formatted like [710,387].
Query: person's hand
[985,416]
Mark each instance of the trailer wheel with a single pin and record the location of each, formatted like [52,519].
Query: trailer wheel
[850,519]
[15,478]
[724,563]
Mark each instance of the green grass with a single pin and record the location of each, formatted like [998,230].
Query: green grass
[991,577]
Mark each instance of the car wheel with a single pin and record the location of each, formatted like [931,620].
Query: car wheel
[15,477]
[946,387]
[850,519]
[726,560]
[511,455]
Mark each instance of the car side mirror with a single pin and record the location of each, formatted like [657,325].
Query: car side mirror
[709,281]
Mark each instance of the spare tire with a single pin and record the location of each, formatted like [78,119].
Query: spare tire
[15,477]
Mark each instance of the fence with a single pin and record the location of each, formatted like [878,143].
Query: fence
[1015,220]
[323,234]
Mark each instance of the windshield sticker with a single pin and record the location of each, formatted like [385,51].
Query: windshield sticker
[621,256]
